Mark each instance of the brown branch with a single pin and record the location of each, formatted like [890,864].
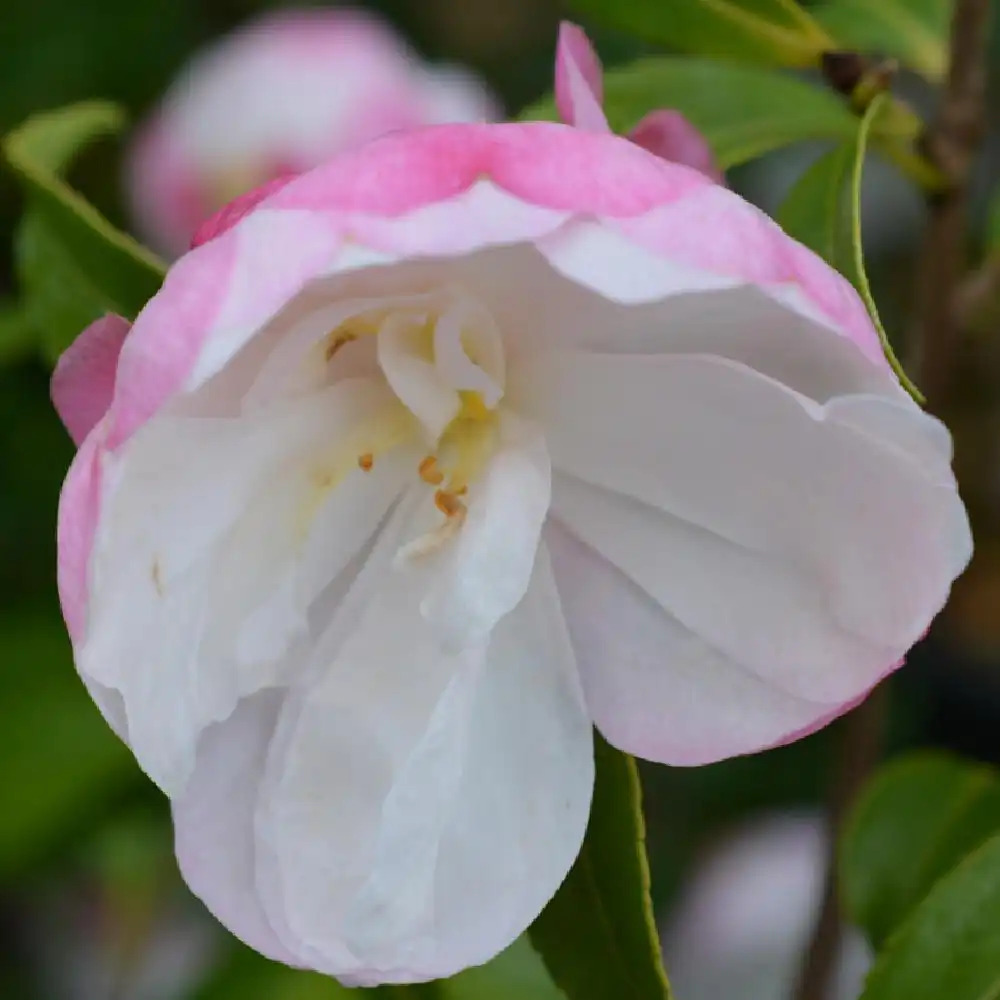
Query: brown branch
[860,748]
[977,301]
[951,145]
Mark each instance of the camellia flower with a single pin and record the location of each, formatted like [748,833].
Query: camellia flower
[428,459]
[279,97]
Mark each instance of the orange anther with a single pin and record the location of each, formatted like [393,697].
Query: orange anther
[429,471]
[366,461]
[449,504]
[338,343]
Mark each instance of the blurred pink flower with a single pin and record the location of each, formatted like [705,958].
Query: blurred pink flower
[278,97]
[427,459]
[742,926]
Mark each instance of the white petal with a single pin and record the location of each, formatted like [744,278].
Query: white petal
[213,821]
[407,786]
[901,425]
[654,688]
[488,566]
[204,548]
[742,457]
[755,609]
[742,323]
[466,327]
[406,357]
[290,354]
[620,269]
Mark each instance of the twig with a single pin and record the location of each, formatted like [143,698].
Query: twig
[860,749]
[978,295]
[951,145]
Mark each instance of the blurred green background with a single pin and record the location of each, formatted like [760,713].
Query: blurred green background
[91,906]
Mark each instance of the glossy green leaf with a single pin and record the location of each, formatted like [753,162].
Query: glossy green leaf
[743,111]
[61,762]
[597,935]
[913,31]
[915,822]
[949,948]
[777,32]
[104,269]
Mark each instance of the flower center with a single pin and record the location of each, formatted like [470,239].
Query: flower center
[442,356]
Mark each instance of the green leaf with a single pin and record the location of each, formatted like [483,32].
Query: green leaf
[597,935]
[105,268]
[776,32]
[517,972]
[60,296]
[61,761]
[742,111]
[913,31]
[914,822]
[17,337]
[818,212]
[823,211]
[249,976]
[949,948]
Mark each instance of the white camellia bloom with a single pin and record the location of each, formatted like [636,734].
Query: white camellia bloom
[428,459]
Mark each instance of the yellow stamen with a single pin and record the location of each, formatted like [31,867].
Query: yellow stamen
[473,407]
[470,444]
[350,330]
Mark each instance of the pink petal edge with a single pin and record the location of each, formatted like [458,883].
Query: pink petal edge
[231,213]
[578,85]
[83,382]
[669,135]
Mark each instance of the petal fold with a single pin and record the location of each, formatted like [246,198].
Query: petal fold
[774,530]
[202,573]
[409,784]
[487,569]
